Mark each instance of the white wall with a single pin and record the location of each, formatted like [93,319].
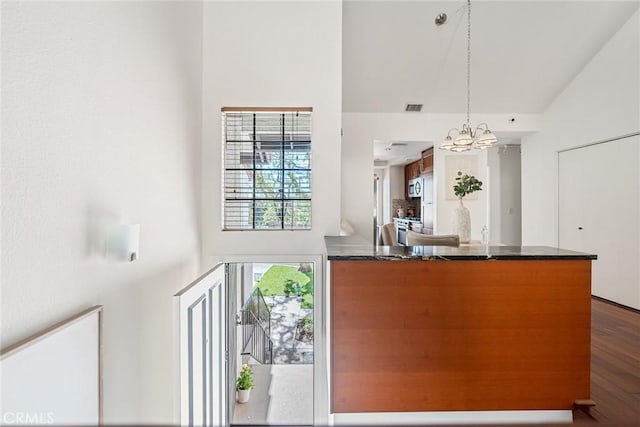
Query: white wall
[361,129]
[443,222]
[396,185]
[505,223]
[101,106]
[291,57]
[602,102]
[396,189]
[357,170]
[493,161]
[511,195]
[383,193]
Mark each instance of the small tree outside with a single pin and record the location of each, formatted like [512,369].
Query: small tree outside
[289,287]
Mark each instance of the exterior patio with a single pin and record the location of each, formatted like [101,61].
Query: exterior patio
[288,345]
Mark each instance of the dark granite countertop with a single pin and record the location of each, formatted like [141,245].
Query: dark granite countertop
[354,248]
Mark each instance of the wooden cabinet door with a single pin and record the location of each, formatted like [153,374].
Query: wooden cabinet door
[407,177]
[416,169]
[427,160]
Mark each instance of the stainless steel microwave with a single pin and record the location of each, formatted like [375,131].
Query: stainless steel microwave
[415,187]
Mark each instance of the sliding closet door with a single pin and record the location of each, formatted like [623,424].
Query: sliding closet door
[599,212]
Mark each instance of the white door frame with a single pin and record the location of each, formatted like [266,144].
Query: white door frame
[320,344]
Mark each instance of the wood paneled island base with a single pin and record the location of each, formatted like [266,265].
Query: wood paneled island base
[442,335]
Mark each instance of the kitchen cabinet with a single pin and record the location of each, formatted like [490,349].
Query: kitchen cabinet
[427,161]
[415,169]
[411,171]
[457,345]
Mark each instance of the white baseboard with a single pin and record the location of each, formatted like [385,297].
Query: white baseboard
[454,417]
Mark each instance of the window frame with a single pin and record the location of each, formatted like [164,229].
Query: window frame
[254,169]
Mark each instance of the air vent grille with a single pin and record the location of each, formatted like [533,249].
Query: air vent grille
[414,108]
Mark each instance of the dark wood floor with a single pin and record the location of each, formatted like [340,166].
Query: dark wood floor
[615,366]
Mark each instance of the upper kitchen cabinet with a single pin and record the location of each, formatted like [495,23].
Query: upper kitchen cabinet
[427,161]
[423,165]
[411,171]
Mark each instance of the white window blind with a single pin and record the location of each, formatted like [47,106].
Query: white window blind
[267,169]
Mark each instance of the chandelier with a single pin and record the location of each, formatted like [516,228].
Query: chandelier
[467,138]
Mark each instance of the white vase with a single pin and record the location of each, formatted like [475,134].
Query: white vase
[462,223]
[243,396]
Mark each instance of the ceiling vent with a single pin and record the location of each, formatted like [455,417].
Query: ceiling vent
[395,144]
[413,108]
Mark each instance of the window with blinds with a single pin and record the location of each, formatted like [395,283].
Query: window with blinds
[267,169]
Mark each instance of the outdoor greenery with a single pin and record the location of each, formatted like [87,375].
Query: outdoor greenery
[305,329]
[291,287]
[270,213]
[285,280]
[307,324]
[466,184]
[245,379]
[277,182]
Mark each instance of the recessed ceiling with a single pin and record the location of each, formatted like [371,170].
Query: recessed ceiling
[399,152]
[390,153]
[524,53]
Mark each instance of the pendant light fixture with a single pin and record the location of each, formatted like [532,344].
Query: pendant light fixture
[468,137]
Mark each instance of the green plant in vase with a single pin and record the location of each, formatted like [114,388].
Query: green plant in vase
[465,185]
[245,379]
[244,383]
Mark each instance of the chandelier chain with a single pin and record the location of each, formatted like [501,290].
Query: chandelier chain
[468,63]
[467,137]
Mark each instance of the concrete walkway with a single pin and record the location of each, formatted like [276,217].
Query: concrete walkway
[285,313]
[283,395]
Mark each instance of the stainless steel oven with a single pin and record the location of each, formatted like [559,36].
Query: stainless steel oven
[402,225]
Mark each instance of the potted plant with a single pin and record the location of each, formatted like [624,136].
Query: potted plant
[244,383]
[465,184]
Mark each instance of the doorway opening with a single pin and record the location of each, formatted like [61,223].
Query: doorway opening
[274,338]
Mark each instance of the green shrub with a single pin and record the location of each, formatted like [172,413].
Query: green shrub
[289,287]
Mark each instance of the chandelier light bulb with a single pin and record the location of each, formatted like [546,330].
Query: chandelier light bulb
[447,144]
[460,148]
[464,138]
[486,139]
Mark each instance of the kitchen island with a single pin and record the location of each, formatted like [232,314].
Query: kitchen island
[475,328]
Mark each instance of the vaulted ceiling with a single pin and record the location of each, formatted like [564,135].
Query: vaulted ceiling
[524,53]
